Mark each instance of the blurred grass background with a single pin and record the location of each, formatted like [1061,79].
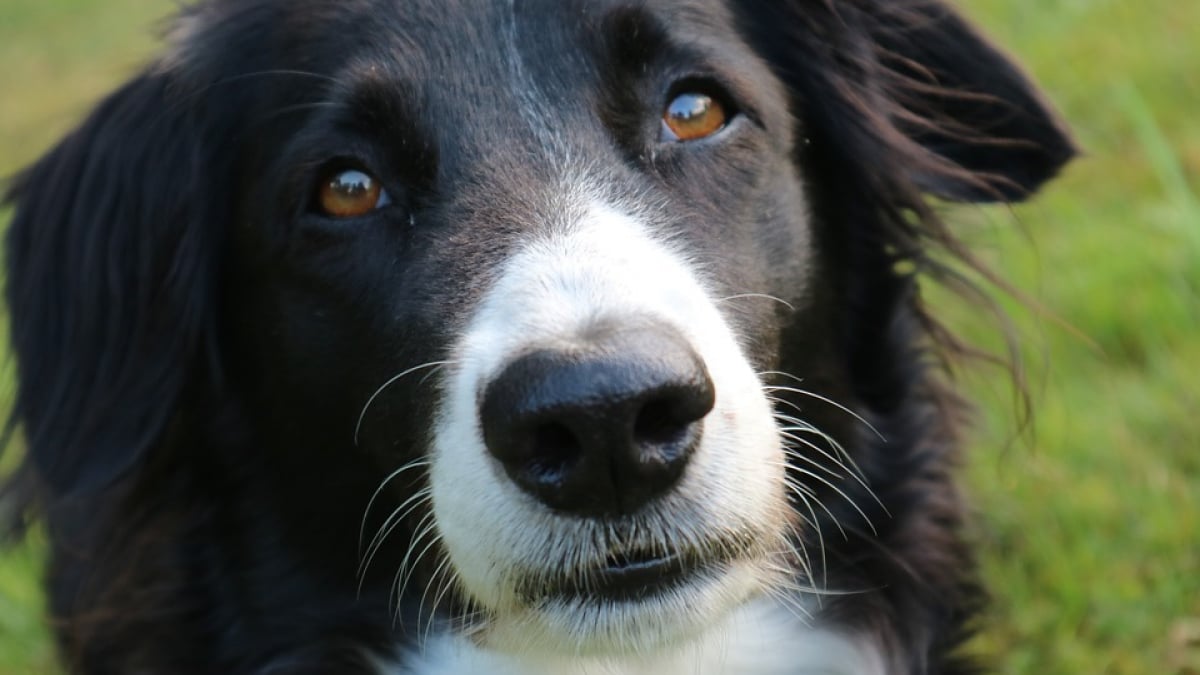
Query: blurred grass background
[1090,524]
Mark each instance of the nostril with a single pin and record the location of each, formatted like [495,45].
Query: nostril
[553,449]
[660,423]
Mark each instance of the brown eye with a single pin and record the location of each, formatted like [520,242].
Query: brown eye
[349,193]
[692,116]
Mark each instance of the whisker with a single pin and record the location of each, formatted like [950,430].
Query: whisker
[798,549]
[853,469]
[433,541]
[275,72]
[804,493]
[393,521]
[799,425]
[362,415]
[808,590]
[816,526]
[807,427]
[763,296]
[790,432]
[363,526]
[823,399]
[786,583]
[433,581]
[791,604]
[424,527]
[287,110]
[796,439]
[450,581]
[841,493]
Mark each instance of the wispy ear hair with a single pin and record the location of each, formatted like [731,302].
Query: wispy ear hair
[111,257]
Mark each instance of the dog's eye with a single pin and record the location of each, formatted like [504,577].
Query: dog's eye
[349,193]
[691,116]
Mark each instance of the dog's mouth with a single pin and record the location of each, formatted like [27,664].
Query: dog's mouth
[636,574]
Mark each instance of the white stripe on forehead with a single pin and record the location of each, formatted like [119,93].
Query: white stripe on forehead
[537,113]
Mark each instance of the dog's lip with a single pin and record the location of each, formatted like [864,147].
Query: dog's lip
[634,575]
[638,571]
[631,576]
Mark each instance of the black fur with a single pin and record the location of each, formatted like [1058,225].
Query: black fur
[194,346]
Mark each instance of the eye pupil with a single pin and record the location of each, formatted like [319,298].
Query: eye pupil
[349,193]
[691,116]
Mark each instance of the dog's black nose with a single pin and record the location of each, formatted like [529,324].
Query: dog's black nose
[603,425]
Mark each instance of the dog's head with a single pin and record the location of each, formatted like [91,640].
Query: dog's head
[523,280]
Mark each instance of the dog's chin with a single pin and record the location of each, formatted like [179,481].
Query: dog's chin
[629,606]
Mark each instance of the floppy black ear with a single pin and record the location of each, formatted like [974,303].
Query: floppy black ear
[110,283]
[916,73]
[974,105]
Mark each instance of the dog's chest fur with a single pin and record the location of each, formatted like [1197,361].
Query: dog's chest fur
[762,639]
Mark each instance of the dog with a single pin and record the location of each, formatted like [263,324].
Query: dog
[518,338]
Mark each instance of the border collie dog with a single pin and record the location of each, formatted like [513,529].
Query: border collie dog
[512,337]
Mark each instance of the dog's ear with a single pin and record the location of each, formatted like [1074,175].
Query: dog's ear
[914,73]
[111,257]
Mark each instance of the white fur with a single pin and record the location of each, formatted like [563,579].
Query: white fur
[602,265]
[760,639]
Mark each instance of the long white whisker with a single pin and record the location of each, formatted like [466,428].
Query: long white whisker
[398,514]
[792,423]
[362,528]
[823,399]
[424,528]
[852,469]
[804,493]
[792,604]
[800,588]
[362,415]
[801,424]
[816,526]
[840,492]
[850,466]
[393,521]
[796,439]
[433,541]
[808,427]
[763,296]
[800,549]
[433,581]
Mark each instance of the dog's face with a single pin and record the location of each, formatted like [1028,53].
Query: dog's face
[522,281]
[557,288]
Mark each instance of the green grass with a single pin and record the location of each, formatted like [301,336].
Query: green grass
[1092,528]
[1090,525]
